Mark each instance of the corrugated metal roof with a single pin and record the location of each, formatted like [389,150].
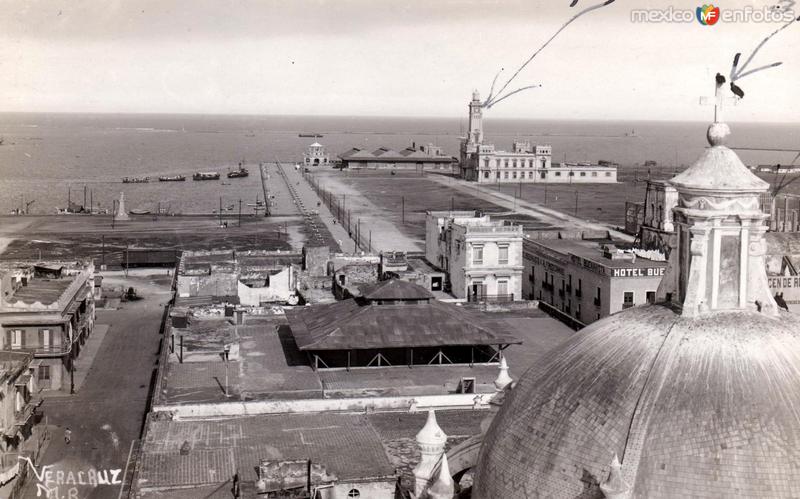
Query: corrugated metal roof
[395,289]
[347,325]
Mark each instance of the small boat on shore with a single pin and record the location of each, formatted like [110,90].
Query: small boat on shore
[241,172]
[206,176]
[311,135]
[139,212]
[174,178]
[135,180]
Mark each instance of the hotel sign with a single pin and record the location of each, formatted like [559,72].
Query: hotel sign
[639,272]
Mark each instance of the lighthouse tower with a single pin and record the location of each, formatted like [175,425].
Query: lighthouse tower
[475,119]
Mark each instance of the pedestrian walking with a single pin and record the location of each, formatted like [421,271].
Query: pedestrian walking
[67,435]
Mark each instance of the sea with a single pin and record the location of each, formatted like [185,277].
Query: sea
[49,160]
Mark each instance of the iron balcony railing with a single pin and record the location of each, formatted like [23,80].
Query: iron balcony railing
[491,298]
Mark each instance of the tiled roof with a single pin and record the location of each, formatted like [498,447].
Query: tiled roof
[346,444]
[347,325]
[395,289]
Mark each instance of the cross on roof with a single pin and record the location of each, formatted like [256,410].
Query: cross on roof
[719,99]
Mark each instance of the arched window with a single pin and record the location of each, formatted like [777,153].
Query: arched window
[354,493]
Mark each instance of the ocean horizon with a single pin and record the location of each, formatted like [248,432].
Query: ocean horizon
[53,157]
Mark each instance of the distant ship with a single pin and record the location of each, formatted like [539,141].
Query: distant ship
[135,180]
[311,135]
[205,176]
[175,178]
[139,212]
[241,172]
[632,133]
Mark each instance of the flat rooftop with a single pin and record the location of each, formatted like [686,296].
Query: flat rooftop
[43,290]
[377,444]
[592,251]
[268,365]
[239,261]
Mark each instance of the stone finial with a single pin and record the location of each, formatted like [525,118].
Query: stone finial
[503,379]
[431,440]
[444,487]
[718,133]
[616,487]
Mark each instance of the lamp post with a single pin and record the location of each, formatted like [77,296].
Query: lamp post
[225,354]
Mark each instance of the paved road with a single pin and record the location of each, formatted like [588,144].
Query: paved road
[106,415]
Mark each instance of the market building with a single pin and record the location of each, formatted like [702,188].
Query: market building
[393,323]
[587,280]
[426,157]
[481,257]
[47,309]
[526,163]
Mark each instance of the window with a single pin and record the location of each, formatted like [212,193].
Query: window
[45,338]
[608,174]
[505,162]
[354,493]
[17,338]
[558,174]
[502,287]
[627,299]
[514,163]
[594,174]
[651,297]
[515,175]
[502,255]
[544,162]
[571,174]
[505,174]
[486,174]
[477,255]
[530,174]
[44,373]
[583,174]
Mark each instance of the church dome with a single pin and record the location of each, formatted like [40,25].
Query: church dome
[697,396]
[694,407]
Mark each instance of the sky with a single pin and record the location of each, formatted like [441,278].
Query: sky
[383,58]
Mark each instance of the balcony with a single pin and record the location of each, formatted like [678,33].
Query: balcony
[547,286]
[569,289]
[561,293]
[597,302]
[490,298]
[578,292]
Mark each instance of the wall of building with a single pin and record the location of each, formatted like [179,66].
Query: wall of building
[370,490]
[281,288]
[216,284]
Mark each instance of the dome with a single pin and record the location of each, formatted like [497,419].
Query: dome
[694,407]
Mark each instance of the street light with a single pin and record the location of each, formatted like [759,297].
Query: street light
[225,355]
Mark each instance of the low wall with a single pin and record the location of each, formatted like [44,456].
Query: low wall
[364,404]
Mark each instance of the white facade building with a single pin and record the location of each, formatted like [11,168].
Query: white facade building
[481,162]
[482,258]
[316,155]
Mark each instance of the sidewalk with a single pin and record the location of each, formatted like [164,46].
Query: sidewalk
[83,364]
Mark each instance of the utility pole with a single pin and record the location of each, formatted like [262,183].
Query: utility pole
[452,203]
[240,212]
[576,203]
[113,212]
[225,354]
[84,196]
[220,211]
[103,251]
[91,201]
[403,204]
[127,260]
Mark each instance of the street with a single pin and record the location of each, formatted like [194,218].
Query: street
[106,414]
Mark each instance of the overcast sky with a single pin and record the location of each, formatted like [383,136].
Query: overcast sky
[376,57]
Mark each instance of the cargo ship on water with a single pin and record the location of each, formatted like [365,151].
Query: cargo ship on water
[205,176]
[173,178]
[310,135]
[135,180]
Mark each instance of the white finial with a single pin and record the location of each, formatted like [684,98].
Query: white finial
[431,434]
[503,379]
[431,440]
[616,487]
[718,133]
[444,487]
